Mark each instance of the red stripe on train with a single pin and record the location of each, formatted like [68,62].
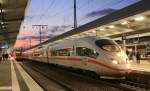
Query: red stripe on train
[101,64]
[92,61]
[97,62]
[67,59]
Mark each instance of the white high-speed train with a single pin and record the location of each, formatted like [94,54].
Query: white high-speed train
[100,55]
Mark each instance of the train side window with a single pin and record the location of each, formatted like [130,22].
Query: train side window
[83,51]
[18,54]
[36,54]
[53,53]
[61,52]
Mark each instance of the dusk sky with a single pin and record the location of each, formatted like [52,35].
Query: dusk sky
[58,15]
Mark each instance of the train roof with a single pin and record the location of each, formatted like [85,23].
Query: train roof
[68,43]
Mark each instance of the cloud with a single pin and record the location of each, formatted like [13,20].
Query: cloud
[66,26]
[55,29]
[36,37]
[20,43]
[24,41]
[59,29]
[100,12]
[52,31]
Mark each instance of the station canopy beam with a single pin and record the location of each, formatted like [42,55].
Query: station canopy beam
[11,15]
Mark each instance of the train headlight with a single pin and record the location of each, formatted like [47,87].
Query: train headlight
[127,62]
[115,62]
[119,54]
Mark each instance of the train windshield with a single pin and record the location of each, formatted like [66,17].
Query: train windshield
[108,45]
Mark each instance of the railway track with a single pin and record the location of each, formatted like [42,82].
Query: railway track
[122,85]
[134,86]
[64,85]
[126,85]
[115,85]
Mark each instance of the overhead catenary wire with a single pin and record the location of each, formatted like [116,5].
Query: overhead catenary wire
[48,8]
[79,9]
[108,4]
[61,12]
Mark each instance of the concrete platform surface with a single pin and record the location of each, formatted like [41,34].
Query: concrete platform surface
[5,76]
[14,78]
[143,66]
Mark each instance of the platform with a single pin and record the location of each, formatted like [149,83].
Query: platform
[143,66]
[14,78]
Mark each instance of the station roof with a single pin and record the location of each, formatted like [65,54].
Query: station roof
[11,16]
[131,20]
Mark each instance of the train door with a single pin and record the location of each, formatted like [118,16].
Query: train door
[80,53]
[47,58]
[73,51]
[48,51]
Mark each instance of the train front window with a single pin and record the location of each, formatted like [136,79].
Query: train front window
[108,45]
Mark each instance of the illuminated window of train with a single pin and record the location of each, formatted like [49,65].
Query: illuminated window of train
[61,52]
[18,54]
[83,51]
[108,45]
[53,53]
[36,54]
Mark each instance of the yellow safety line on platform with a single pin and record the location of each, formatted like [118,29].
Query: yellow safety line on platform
[32,85]
[15,84]
[3,88]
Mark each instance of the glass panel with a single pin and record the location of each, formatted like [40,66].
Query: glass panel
[83,51]
[61,52]
[108,45]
